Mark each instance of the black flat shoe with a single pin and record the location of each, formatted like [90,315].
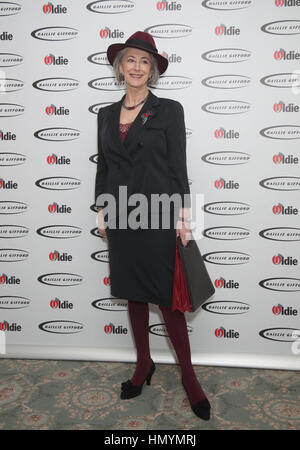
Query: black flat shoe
[202,408]
[130,391]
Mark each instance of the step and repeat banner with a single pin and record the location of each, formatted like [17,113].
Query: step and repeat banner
[233,66]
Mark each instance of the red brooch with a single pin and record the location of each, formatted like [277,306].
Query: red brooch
[145,116]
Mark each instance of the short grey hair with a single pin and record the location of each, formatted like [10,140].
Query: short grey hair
[154,67]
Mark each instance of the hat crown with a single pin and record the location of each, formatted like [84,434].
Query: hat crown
[142,36]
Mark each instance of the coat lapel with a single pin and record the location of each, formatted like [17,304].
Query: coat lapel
[136,127]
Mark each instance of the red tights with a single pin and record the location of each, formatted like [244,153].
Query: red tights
[177,330]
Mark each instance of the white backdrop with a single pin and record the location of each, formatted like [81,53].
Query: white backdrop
[233,66]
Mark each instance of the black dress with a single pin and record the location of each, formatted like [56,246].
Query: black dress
[142,261]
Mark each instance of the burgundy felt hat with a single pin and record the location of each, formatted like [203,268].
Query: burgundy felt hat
[143,41]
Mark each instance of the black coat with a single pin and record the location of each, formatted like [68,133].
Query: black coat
[152,158]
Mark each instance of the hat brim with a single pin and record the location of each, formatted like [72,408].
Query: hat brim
[113,49]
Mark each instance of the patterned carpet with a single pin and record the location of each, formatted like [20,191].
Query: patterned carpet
[82,395]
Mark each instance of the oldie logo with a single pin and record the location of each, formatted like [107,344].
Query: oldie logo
[280,310]
[221,332]
[112,329]
[280,158]
[283,55]
[282,107]
[165,5]
[11,327]
[49,8]
[280,259]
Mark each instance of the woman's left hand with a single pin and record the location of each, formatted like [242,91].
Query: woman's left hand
[183,230]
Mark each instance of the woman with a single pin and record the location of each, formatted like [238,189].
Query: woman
[142,146]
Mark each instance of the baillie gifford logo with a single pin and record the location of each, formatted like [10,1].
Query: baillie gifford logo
[230,334]
[49,8]
[279,310]
[112,329]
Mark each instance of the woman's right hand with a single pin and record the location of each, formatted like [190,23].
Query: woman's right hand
[101,227]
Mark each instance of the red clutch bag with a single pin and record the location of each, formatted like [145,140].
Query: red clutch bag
[181,298]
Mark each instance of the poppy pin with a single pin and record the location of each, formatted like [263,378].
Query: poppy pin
[145,116]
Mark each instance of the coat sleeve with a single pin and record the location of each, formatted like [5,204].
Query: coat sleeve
[176,147]
[101,174]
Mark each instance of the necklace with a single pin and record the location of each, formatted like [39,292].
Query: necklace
[134,106]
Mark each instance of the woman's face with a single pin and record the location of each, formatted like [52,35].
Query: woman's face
[136,67]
